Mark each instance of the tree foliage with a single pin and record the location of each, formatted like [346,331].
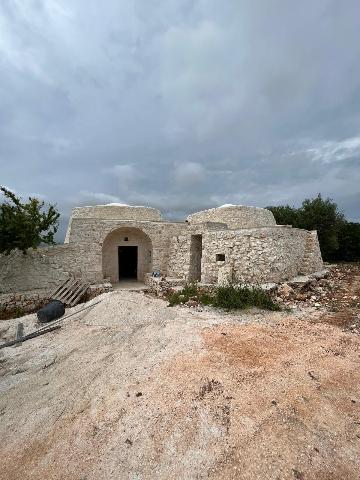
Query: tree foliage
[285,215]
[25,225]
[338,239]
[323,216]
[349,242]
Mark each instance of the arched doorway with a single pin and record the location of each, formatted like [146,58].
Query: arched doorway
[126,254]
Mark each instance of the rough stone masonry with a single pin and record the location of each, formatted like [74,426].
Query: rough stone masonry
[232,243]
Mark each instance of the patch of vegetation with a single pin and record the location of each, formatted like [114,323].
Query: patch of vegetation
[238,297]
[191,291]
[230,297]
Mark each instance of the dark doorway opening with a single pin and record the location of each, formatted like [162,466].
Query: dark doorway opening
[128,260]
[195,258]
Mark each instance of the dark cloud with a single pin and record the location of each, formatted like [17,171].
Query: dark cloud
[180,105]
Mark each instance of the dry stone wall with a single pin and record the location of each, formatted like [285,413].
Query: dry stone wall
[45,268]
[256,255]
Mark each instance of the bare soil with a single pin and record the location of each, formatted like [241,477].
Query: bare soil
[132,389]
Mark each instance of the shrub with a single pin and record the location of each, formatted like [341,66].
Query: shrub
[239,297]
[228,297]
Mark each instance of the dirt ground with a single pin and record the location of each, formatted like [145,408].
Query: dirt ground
[132,389]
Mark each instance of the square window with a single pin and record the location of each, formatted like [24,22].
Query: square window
[220,257]
[126,239]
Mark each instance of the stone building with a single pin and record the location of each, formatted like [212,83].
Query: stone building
[229,243]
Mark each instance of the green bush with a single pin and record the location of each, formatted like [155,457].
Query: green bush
[239,297]
[228,297]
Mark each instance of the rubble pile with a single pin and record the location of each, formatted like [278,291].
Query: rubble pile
[330,289]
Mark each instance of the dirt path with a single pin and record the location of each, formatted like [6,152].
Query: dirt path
[136,390]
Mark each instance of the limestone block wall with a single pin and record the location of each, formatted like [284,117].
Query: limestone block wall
[269,254]
[94,232]
[180,248]
[179,256]
[257,255]
[235,216]
[45,268]
[312,260]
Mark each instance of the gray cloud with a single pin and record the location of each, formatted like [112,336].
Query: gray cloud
[180,105]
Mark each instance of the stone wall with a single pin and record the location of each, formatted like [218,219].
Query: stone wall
[94,232]
[83,255]
[235,216]
[45,268]
[18,304]
[269,254]
[257,255]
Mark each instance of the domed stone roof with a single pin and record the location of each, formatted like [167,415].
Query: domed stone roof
[117,211]
[235,216]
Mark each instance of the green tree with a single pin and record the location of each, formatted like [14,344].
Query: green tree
[25,225]
[285,215]
[315,214]
[323,216]
[349,243]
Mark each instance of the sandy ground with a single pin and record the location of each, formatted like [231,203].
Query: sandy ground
[132,389]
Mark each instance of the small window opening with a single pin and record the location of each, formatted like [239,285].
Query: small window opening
[126,239]
[220,257]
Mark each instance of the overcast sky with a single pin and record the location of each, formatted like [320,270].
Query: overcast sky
[181,104]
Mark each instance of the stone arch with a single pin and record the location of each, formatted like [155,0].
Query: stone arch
[126,237]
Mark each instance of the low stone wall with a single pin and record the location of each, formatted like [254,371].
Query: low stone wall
[45,268]
[18,304]
[161,285]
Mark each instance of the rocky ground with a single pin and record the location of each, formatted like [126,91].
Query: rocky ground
[336,295]
[132,389]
